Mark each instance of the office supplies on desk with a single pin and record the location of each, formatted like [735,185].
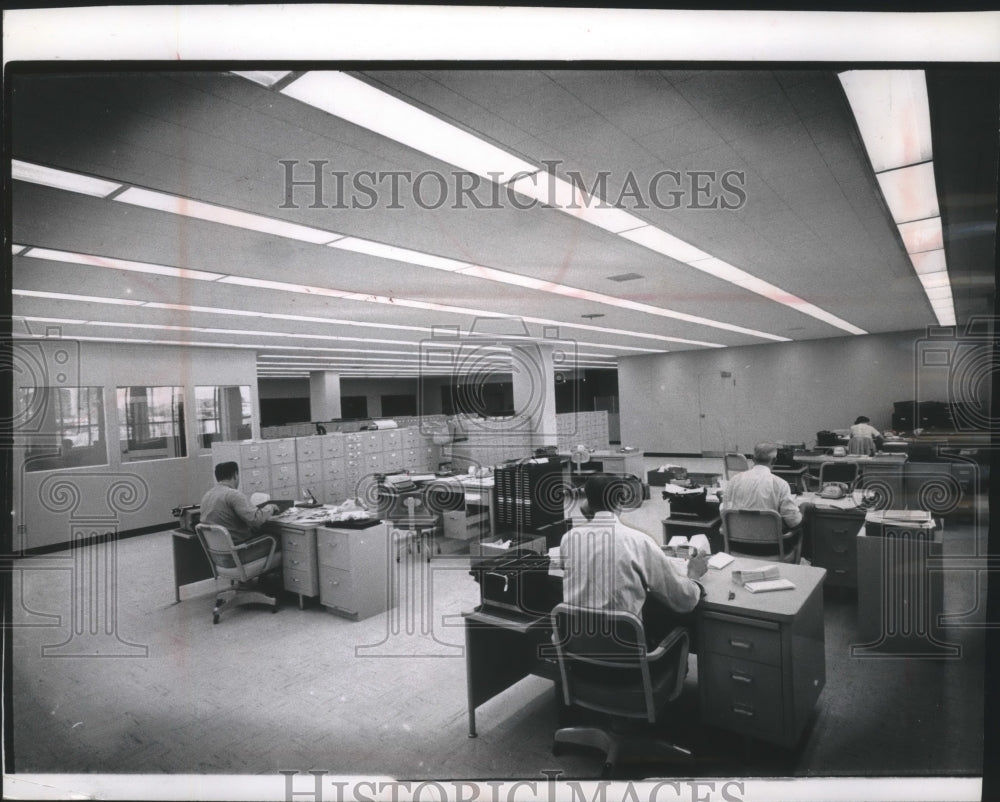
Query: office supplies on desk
[187,517]
[767,585]
[756,575]
[282,504]
[720,560]
[682,546]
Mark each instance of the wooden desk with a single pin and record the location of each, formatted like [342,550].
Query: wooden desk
[761,661]
[190,561]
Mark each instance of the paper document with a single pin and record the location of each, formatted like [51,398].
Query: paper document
[769,584]
[720,560]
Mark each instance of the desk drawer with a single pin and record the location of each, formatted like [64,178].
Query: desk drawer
[742,695]
[296,542]
[334,548]
[282,451]
[309,449]
[300,581]
[742,638]
[336,589]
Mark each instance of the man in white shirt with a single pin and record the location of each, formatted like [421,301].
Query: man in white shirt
[759,489]
[609,566]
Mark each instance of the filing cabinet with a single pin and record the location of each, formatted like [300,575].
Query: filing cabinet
[284,475]
[281,452]
[310,477]
[332,445]
[308,449]
[391,439]
[255,480]
[355,570]
[834,537]
[371,442]
[254,455]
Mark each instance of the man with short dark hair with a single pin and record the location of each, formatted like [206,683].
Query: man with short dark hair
[759,489]
[226,506]
[620,568]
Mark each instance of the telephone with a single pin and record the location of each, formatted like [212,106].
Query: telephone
[833,490]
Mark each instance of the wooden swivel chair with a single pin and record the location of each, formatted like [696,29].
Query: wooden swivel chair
[605,666]
[228,562]
[760,527]
[734,463]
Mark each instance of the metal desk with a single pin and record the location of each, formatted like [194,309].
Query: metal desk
[761,662]
[190,561]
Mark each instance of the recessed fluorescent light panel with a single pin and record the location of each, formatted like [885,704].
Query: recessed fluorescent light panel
[61,179]
[357,102]
[893,116]
[175,204]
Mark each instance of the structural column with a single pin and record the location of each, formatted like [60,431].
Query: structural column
[324,395]
[533,374]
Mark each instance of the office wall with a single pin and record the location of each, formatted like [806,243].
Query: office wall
[685,402]
[50,505]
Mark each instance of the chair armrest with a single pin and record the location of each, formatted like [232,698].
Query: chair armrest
[253,542]
[677,639]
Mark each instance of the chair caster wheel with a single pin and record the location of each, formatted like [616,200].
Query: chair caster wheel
[274,610]
[215,618]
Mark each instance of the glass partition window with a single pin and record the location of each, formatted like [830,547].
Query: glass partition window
[151,423]
[61,427]
[224,413]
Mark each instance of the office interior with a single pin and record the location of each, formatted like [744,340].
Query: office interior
[186,271]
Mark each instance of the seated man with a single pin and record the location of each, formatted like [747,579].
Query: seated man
[226,506]
[627,569]
[759,489]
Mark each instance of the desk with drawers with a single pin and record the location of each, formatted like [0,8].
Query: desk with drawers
[349,569]
[882,473]
[761,660]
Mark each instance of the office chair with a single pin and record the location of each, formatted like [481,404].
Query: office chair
[760,527]
[605,666]
[861,445]
[846,472]
[227,561]
[735,463]
[416,528]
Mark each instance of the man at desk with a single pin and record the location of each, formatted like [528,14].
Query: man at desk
[226,506]
[625,569]
[759,489]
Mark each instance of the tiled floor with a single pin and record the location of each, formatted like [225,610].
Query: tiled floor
[167,691]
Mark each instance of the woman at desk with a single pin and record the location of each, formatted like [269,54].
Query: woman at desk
[865,438]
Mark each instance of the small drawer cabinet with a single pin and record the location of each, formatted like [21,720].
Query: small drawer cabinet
[761,675]
[355,570]
[834,536]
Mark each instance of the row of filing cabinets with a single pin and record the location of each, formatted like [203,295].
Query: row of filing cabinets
[330,467]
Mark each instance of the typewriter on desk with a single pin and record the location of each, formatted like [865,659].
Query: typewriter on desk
[188,517]
[690,502]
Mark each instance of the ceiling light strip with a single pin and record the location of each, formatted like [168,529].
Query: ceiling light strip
[892,111]
[62,179]
[369,107]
